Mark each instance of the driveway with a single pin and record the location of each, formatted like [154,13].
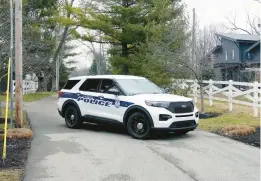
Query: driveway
[106,153]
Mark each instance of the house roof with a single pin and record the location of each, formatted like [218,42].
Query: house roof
[253,46]
[216,48]
[239,37]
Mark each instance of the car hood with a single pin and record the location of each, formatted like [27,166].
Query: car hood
[162,97]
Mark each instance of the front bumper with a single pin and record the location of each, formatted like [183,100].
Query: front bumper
[172,128]
[185,121]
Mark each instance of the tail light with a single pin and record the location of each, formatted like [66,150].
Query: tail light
[60,93]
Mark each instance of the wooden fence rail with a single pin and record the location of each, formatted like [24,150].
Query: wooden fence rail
[244,93]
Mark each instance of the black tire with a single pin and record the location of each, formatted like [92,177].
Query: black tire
[72,118]
[180,132]
[138,126]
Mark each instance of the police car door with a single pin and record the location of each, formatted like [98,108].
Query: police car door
[88,97]
[111,108]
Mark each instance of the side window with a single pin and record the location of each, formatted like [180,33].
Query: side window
[70,84]
[107,85]
[90,85]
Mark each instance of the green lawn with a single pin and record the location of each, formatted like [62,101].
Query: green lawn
[241,115]
[239,98]
[25,121]
[32,96]
[11,175]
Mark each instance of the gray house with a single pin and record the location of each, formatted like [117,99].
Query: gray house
[237,57]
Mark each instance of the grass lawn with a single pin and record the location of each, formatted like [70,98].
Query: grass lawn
[239,98]
[11,175]
[32,96]
[241,115]
[25,123]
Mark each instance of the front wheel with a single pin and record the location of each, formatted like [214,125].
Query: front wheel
[138,126]
[72,117]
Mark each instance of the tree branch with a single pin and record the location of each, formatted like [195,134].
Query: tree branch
[64,35]
[235,27]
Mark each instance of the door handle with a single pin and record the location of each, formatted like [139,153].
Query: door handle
[100,97]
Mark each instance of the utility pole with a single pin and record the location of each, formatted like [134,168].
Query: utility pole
[57,66]
[57,72]
[18,65]
[11,61]
[193,59]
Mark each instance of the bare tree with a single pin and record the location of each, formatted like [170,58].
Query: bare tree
[99,58]
[178,62]
[252,24]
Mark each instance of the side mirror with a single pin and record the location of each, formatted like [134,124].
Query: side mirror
[114,91]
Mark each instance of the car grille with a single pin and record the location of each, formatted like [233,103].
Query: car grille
[183,124]
[181,107]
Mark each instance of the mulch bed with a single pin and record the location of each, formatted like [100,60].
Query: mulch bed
[252,139]
[209,115]
[16,155]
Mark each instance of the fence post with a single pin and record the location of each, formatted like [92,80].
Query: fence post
[195,91]
[210,92]
[230,93]
[255,102]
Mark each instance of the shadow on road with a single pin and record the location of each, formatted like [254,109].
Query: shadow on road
[121,130]
[110,128]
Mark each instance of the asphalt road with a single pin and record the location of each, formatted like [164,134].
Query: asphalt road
[106,153]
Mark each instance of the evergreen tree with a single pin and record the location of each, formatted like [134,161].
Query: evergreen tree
[93,68]
[127,25]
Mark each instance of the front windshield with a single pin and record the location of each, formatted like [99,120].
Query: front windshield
[139,86]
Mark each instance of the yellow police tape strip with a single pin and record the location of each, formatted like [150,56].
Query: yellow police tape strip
[6,111]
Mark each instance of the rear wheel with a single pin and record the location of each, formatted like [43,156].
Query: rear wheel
[138,126]
[72,117]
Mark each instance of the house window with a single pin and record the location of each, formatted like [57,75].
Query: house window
[226,55]
[233,54]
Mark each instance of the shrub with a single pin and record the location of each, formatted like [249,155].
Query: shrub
[19,133]
[238,130]
[182,92]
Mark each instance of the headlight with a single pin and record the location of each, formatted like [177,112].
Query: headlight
[157,104]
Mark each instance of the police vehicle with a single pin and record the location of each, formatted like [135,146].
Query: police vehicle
[133,101]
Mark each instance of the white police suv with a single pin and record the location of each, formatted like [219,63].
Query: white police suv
[136,102]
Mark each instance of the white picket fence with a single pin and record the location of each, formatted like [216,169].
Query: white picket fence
[28,86]
[244,93]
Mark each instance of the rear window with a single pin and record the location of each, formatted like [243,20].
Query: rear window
[70,84]
[90,85]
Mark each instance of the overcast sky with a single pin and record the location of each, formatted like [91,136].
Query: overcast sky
[208,12]
[216,11]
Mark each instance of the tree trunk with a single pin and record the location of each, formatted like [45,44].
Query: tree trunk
[40,84]
[125,69]
[54,83]
[124,45]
